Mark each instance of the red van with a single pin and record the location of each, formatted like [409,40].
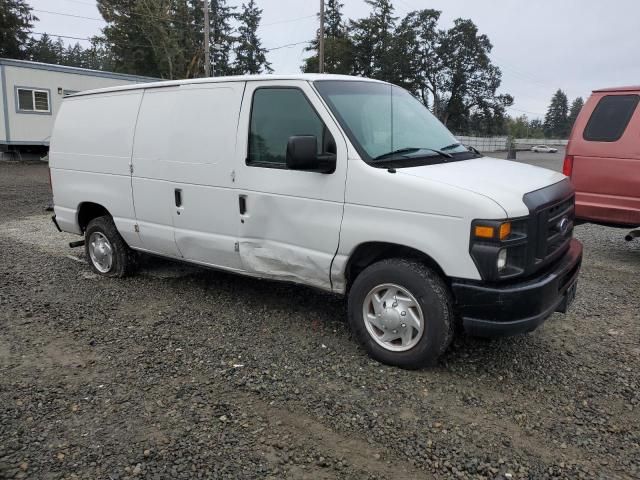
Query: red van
[603,158]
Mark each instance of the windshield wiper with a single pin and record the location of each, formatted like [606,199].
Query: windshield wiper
[452,146]
[411,150]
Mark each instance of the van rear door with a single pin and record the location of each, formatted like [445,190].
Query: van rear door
[605,151]
[289,219]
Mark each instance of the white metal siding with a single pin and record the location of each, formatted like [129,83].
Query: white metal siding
[3,131]
[36,127]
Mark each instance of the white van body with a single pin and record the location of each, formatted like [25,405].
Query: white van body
[168,162]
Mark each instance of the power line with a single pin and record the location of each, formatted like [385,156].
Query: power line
[50,12]
[68,15]
[286,46]
[88,39]
[525,111]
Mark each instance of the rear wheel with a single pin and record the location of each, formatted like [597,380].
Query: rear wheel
[106,250]
[400,311]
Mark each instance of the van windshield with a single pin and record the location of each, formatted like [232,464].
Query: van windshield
[389,126]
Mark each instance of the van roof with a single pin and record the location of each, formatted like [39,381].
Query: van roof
[630,88]
[309,77]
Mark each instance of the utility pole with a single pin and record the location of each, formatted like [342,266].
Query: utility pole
[207,59]
[321,40]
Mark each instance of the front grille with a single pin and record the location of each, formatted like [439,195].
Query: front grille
[551,220]
[556,224]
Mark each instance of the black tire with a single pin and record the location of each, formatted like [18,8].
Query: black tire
[124,259]
[434,299]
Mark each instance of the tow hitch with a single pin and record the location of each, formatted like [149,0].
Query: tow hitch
[632,234]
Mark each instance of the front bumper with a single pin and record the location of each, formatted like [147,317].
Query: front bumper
[498,310]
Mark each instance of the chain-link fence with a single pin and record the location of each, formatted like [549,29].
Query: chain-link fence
[498,144]
[484,144]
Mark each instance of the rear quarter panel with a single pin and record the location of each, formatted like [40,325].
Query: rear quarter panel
[89,157]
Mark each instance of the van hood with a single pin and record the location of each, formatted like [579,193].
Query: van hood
[503,181]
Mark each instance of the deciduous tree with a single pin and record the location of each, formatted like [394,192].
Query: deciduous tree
[469,80]
[417,65]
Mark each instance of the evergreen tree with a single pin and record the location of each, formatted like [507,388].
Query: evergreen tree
[576,106]
[98,56]
[222,37]
[250,56]
[556,121]
[16,20]
[129,34]
[164,38]
[372,39]
[46,50]
[74,56]
[338,50]
[189,55]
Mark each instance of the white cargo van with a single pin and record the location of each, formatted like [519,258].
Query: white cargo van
[340,183]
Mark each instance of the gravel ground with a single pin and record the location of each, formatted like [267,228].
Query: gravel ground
[186,373]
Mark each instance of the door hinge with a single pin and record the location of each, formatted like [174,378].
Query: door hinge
[131,168]
[236,247]
[136,228]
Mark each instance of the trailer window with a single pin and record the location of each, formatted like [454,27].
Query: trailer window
[32,100]
[610,118]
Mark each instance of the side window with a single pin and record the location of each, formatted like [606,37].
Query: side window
[610,118]
[30,100]
[276,115]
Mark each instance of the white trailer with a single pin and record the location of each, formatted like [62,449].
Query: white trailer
[32,93]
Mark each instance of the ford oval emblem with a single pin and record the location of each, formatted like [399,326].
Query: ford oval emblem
[563,225]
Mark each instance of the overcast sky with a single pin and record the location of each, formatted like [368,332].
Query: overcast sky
[540,45]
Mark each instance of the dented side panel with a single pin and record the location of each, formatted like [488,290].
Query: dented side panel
[290,238]
[290,228]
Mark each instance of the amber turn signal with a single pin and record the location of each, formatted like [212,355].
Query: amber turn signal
[483,232]
[505,230]
[486,231]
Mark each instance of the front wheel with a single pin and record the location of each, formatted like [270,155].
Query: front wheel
[106,250]
[400,311]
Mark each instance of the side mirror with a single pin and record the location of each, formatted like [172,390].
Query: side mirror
[302,155]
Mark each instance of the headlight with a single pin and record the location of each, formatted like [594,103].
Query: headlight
[498,247]
[502,260]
